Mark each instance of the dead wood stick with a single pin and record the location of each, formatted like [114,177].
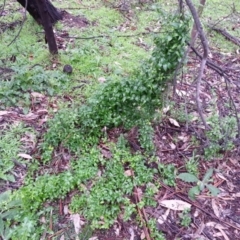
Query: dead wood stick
[144,221]
[197,206]
[203,39]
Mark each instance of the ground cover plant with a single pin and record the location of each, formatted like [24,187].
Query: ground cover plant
[105,151]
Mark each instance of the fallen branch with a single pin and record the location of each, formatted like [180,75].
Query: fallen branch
[197,206]
[142,216]
[227,35]
[222,73]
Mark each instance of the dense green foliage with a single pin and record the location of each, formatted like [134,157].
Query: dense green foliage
[125,102]
[129,101]
[16,90]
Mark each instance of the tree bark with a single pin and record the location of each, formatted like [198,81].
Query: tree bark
[46,15]
[204,42]
[32,8]
[49,34]
[194,32]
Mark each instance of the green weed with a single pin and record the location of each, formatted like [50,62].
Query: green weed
[17,91]
[201,184]
[168,173]
[109,194]
[154,232]
[185,218]
[191,165]
[146,134]
[129,97]
[10,147]
[220,136]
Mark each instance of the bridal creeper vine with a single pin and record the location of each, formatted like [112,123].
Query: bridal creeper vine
[130,101]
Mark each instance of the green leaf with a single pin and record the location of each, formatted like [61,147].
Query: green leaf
[7,233]
[187,177]
[193,192]
[208,175]
[214,191]
[10,214]
[201,185]
[1,226]
[5,196]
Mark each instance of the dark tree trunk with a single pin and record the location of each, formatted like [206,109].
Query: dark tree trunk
[46,15]
[32,8]
[43,11]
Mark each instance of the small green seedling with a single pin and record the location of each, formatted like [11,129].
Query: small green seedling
[201,184]
[185,218]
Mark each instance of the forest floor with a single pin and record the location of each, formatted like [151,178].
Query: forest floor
[102,40]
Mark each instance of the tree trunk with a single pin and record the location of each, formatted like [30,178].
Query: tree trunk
[194,32]
[32,8]
[49,34]
[46,15]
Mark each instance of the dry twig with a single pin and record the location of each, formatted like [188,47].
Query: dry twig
[203,60]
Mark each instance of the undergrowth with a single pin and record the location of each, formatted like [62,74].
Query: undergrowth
[128,101]
[131,101]
[10,148]
[16,91]
[101,189]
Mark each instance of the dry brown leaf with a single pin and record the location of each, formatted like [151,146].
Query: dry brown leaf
[172,145]
[117,229]
[93,238]
[174,122]
[2,113]
[139,193]
[166,109]
[106,153]
[181,93]
[128,173]
[162,219]
[30,116]
[183,138]
[215,208]
[42,111]
[200,228]
[223,234]
[24,155]
[65,209]
[131,231]
[220,175]
[220,227]
[76,222]
[142,236]
[42,121]
[236,194]
[102,79]
[37,95]
[196,236]
[177,205]
[215,225]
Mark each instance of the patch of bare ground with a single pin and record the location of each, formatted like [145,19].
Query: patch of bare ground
[74,21]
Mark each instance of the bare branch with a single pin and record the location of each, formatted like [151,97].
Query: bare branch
[194,32]
[204,58]
[24,19]
[222,73]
